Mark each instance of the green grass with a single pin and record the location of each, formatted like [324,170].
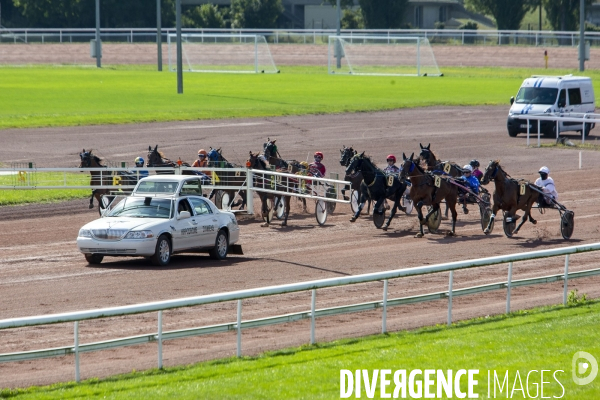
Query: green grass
[544,338]
[69,96]
[22,196]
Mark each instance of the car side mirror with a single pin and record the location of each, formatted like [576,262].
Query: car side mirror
[512,100]
[184,215]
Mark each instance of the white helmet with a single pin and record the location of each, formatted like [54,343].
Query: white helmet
[468,168]
[545,170]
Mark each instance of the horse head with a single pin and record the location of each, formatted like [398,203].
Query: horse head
[491,171]
[270,148]
[408,166]
[88,159]
[346,154]
[427,155]
[355,163]
[255,161]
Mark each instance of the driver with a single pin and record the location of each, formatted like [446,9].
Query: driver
[139,163]
[470,182]
[547,184]
[391,165]
[476,172]
[317,168]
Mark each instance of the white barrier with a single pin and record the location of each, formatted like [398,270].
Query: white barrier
[289,288]
[581,118]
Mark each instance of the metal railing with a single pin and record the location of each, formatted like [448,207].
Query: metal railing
[238,296]
[557,118]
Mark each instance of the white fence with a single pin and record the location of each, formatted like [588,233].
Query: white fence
[579,118]
[238,296]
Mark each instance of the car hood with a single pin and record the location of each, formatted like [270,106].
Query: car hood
[529,108]
[124,223]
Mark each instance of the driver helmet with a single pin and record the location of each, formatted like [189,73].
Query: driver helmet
[202,153]
[139,162]
[544,170]
[391,157]
[474,164]
[468,168]
[318,154]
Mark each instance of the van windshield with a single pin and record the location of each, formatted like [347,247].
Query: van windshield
[530,95]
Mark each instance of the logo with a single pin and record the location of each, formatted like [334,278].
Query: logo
[581,368]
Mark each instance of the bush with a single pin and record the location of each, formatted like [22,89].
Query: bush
[469,25]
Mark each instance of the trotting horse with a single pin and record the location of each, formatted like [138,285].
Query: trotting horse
[346,154]
[216,159]
[98,178]
[376,186]
[425,191]
[256,162]
[510,195]
[157,159]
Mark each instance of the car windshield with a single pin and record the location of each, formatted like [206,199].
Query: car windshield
[157,187]
[142,207]
[540,95]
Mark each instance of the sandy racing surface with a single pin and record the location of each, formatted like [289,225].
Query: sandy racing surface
[41,271]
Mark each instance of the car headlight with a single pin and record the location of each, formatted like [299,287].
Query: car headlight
[85,233]
[139,235]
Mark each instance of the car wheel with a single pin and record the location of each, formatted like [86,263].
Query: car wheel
[162,255]
[94,258]
[219,252]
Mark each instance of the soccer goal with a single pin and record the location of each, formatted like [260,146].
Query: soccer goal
[381,55]
[234,53]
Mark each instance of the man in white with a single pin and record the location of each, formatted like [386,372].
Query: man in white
[547,185]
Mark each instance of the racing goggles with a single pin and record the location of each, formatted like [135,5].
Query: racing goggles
[201,156]
[318,158]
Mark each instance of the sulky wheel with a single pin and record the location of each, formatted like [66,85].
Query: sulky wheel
[509,227]
[407,203]
[354,199]
[268,217]
[279,207]
[434,220]
[567,224]
[486,215]
[379,219]
[331,194]
[321,212]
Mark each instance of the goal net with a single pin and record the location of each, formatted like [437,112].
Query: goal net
[381,55]
[235,53]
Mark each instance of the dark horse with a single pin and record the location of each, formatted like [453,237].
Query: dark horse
[355,179]
[510,195]
[98,178]
[224,197]
[428,190]
[157,159]
[377,186]
[256,162]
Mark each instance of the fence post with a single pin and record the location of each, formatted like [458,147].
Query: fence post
[76,349]
[312,316]
[528,122]
[450,297]
[539,132]
[385,297]
[508,286]
[160,359]
[566,280]
[239,328]
[249,192]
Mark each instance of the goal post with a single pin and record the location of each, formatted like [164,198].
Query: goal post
[231,53]
[381,55]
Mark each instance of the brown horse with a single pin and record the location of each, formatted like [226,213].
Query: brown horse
[98,178]
[256,162]
[510,195]
[428,190]
[157,159]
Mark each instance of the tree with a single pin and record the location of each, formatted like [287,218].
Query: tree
[204,16]
[383,14]
[563,15]
[507,13]
[352,20]
[255,13]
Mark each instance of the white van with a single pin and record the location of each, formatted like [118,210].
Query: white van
[551,94]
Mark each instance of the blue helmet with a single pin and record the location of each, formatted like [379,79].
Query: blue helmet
[139,162]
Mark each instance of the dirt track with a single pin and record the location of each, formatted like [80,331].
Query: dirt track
[41,271]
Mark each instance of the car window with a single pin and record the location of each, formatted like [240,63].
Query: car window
[183,205]
[156,187]
[574,96]
[192,186]
[536,95]
[200,206]
[142,207]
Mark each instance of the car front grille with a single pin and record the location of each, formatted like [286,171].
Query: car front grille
[109,234]
[108,251]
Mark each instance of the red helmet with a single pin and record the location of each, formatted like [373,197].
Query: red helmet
[391,157]
[319,154]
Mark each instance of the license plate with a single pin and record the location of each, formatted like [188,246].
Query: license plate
[524,126]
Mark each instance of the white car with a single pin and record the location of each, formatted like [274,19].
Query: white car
[164,215]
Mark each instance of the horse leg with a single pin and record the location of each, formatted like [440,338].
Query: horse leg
[361,204]
[211,194]
[495,209]
[452,205]
[264,209]
[393,212]
[419,207]
[92,199]
[304,208]
[445,216]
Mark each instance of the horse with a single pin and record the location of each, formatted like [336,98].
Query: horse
[377,186]
[157,159]
[256,162]
[216,159]
[428,190]
[510,195]
[346,154]
[98,178]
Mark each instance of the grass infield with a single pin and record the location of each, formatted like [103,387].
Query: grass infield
[544,338]
[41,96]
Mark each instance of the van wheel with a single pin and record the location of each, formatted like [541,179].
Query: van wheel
[550,133]
[588,128]
[512,133]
